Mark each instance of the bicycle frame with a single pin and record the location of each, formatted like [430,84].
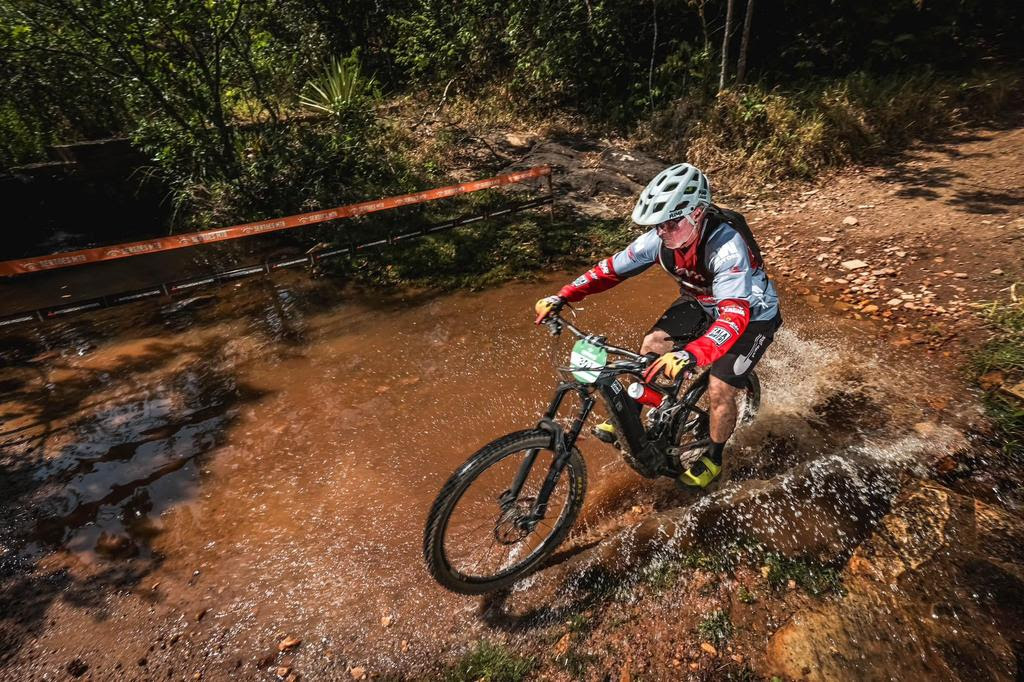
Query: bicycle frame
[649,457]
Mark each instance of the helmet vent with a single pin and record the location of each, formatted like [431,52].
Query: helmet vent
[658,206]
[670,187]
[690,189]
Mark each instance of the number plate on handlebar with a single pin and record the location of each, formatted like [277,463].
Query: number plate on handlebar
[586,354]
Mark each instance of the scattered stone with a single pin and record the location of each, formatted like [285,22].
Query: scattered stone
[358,673]
[288,642]
[283,670]
[827,240]
[850,220]
[997,271]
[960,275]
[894,302]
[77,667]
[561,647]
[791,584]
[694,665]
[853,264]
[709,649]
[386,620]
[841,307]
[1017,391]
[738,658]
[868,309]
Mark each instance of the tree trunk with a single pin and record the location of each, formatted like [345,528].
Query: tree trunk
[725,44]
[741,67]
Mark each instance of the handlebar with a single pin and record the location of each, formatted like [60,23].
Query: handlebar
[555,323]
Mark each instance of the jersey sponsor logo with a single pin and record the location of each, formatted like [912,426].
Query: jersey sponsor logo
[743,362]
[741,365]
[580,281]
[605,266]
[735,327]
[733,309]
[719,335]
[735,269]
[630,254]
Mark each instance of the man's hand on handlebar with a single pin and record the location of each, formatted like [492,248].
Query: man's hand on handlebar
[547,306]
[671,364]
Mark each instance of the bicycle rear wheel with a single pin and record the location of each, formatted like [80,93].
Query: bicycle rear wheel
[692,426]
[472,542]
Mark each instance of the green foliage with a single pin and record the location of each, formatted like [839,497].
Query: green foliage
[716,628]
[341,89]
[811,576]
[746,596]
[1004,352]
[489,662]
[762,134]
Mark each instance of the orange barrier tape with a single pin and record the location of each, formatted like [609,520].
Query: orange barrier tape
[104,253]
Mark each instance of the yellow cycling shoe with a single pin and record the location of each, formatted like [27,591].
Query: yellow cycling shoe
[700,474]
[605,432]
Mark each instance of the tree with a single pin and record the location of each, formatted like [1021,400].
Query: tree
[726,34]
[741,67]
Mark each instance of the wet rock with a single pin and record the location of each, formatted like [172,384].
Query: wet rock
[933,544]
[77,667]
[561,647]
[116,546]
[288,642]
[1017,390]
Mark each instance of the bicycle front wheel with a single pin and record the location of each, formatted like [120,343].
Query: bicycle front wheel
[474,540]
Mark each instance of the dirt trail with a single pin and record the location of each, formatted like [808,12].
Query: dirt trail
[184,490]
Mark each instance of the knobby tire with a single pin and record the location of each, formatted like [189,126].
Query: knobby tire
[460,482]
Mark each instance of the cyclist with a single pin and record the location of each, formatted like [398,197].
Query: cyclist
[727,312]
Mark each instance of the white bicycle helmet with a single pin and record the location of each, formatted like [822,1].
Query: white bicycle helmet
[673,193]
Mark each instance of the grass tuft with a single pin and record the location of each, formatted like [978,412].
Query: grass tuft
[490,662]
[1004,353]
[716,628]
[813,577]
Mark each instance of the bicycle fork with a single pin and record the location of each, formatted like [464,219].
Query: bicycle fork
[562,442]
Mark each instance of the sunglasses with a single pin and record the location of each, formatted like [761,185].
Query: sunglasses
[689,222]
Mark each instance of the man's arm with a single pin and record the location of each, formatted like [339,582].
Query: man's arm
[730,265]
[632,260]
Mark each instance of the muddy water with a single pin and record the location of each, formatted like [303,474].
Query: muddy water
[185,489]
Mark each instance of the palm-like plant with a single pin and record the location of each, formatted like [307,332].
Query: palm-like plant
[341,87]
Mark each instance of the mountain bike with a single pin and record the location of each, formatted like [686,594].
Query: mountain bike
[513,502]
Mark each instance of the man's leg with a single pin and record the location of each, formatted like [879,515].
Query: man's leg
[723,415]
[728,379]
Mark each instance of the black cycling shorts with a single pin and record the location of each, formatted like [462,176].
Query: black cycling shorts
[685,320]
